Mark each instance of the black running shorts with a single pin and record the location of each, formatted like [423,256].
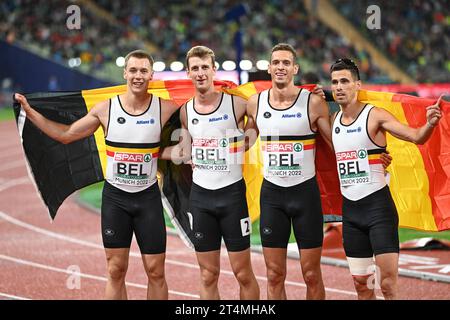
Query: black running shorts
[370,225]
[124,213]
[299,206]
[220,213]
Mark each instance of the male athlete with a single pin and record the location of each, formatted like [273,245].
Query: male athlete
[288,119]
[131,200]
[213,137]
[370,220]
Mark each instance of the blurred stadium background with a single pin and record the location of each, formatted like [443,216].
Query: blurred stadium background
[38,52]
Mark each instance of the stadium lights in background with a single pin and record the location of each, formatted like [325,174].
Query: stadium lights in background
[159,66]
[120,61]
[74,62]
[176,66]
[229,65]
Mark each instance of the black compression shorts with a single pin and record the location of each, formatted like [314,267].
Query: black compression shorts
[124,212]
[220,213]
[370,225]
[298,205]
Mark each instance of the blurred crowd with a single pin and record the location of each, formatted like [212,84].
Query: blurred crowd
[415,34]
[175,26]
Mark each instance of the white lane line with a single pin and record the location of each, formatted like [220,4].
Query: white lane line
[135,254]
[85,275]
[10,296]
[14,182]
[12,165]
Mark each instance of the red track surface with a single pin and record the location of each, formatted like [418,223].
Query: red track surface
[37,256]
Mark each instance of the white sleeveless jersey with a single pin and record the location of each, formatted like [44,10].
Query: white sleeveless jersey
[287,141]
[217,145]
[132,146]
[360,169]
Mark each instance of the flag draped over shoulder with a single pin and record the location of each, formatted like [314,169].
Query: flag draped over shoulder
[422,198]
[420,174]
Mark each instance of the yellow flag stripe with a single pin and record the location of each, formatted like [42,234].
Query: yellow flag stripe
[409,180]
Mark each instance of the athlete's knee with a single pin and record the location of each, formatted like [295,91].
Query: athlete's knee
[155,273]
[312,277]
[364,290]
[389,286]
[245,276]
[117,270]
[275,274]
[210,276]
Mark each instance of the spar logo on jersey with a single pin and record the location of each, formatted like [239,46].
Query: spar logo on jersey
[267,114]
[194,121]
[223,143]
[362,154]
[298,147]
[337,130]
[132,157]
[121,120]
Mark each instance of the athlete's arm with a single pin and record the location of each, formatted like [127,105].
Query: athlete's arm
[181,152]
[320,117]
[240,106]
[251,129]
[389,123]
[168,107]
[64,133]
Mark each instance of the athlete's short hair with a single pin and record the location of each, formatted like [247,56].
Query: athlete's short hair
[140,54]
[346,64]
[200,52]
[284,47]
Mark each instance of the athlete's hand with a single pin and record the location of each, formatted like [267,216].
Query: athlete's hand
[23,101]
[434,113]
[386,159]
[319,91]
[191,163]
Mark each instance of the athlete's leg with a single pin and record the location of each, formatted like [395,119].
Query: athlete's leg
[209,263]
[117,263]
[154,267]
[312,274]
[363,287]
[362,270]
[242,268]
[307,222]
[117,233]
[275,259]
[235,226]
[387,264]
[150,232]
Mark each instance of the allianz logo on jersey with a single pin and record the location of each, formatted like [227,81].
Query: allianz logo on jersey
[292,115]
[224,117]
[354,130]
[151,121]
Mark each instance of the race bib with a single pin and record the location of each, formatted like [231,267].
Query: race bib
[210,154]
[132,169]
[353,167]
[283,159]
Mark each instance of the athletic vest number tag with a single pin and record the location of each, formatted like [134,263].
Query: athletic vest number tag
[353,167]
[210,154]
[132,168]
[283,159]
